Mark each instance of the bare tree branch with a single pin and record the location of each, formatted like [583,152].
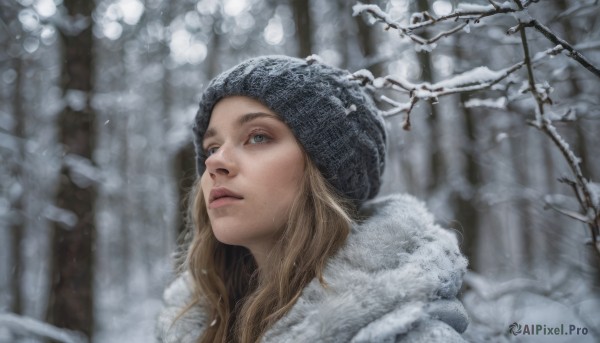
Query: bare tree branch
[483,78]
[571,214]
[408,31]
[574,54]
[380,15]
[467,15]
[426,91]
[545,125]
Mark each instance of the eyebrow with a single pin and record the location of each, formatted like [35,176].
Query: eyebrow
[246,118]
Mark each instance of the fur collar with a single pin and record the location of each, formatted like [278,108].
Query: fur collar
[397,274]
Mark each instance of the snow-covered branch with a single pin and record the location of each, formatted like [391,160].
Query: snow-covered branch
[29,326]
[473,80]
[424,19]
[574,54]
[482,77]
[469,12]
[591,210]
[421,20]
[581,186]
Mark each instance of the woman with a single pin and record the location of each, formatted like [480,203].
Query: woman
[287,247]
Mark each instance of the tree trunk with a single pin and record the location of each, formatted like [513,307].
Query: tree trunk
[437,164]
[303,26]
[71,297]
[466,213]
[368,45]
[17,172]
[582,128]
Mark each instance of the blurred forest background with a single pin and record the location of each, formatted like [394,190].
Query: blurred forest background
[97,99]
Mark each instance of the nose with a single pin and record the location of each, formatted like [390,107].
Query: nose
[221,162]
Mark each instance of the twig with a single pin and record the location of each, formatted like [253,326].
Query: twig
[545,125]
[581,183]
[573,186]
[533,89]
[426,91]
[571,214]
[377,13]
[401,108]
[447,33]
[574,54]
[380,15]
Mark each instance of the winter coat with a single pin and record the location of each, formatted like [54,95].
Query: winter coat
[395,280]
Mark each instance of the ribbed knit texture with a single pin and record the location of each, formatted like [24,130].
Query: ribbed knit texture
[331,115]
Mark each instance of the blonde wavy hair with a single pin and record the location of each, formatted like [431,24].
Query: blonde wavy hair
[241,301]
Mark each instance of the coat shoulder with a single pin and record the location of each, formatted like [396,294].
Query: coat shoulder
[397,272]
[179,320]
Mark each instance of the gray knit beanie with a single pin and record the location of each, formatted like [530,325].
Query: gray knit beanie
[330,114]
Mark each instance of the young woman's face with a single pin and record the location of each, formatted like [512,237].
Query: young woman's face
[253,172]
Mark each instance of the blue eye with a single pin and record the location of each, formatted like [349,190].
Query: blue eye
[210,151]
[258,139]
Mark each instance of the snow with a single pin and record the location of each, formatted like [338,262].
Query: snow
[9,142]
[508,5]
[594,189]
[522,16]
[418,17]
[314,58]
[186,48]
[76,99]
[494,304]
[425,47]
[474,79]
[569,115]
[274,32]
[29,19]
[70,25]
[379,82]
[131,10]
[553,51]
[364,74]
[67,218]
[467,28]
[570,155]
[82,171]
[136,226]
[28,326]
[469,7]
[378,13]
[360,8]
[45,8]
[477,75]
[441,7]
[499,103]
[398,107]
[350,109]
[134,324]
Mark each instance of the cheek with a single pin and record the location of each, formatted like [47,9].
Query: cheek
[284,172]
